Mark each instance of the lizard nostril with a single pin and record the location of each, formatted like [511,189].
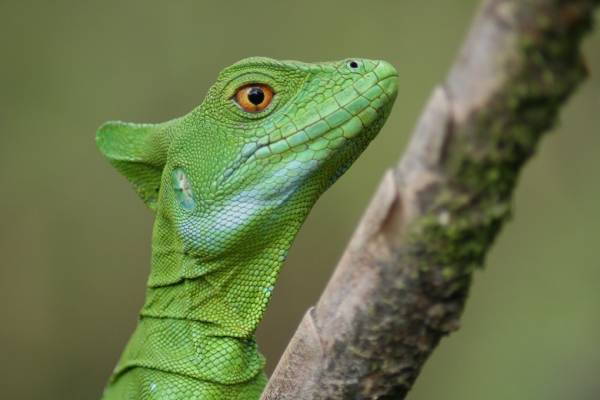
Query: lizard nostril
[353,64]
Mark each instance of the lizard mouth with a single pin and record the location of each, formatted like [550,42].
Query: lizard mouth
[328,125]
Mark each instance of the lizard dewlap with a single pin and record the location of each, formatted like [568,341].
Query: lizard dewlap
[230,184]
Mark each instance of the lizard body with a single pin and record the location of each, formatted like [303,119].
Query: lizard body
[230,184]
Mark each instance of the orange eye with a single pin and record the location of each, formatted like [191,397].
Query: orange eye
[254,98]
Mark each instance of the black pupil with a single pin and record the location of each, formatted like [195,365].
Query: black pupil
[256,95]
[353,64]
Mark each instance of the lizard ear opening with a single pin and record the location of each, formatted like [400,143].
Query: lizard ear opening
[139,152]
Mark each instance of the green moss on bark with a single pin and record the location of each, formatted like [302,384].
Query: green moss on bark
[485,154]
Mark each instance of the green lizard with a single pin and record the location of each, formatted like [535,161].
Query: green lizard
[230,184]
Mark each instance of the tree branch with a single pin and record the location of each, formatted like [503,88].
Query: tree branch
[402,283]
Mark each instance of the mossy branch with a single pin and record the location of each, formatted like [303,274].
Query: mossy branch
[402,283]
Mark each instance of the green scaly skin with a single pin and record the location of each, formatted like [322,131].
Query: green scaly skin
[230,190]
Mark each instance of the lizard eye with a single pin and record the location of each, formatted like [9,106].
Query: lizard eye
[254,98]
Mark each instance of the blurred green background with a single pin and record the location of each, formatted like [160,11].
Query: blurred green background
[75,239]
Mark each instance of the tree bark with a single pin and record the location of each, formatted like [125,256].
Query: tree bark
[402,283]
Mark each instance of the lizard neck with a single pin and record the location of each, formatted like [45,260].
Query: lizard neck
[228,293]
[200,313]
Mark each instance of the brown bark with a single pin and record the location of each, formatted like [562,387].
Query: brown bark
[402,283]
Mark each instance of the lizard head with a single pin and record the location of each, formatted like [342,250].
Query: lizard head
[268,139]
[289,123]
